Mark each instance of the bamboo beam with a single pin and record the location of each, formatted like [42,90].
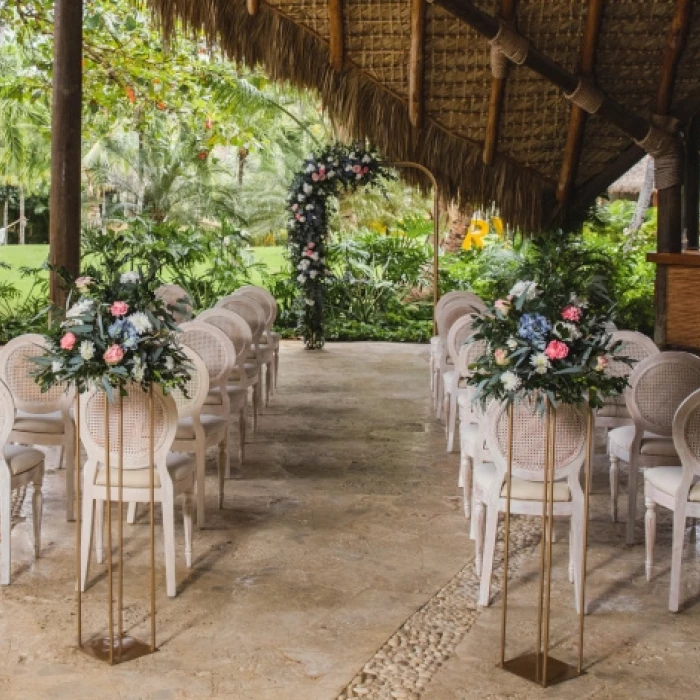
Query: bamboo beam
[488,26]
[498,88]
[253,6]
[337,34]
[416,63]
[691,189]
[66,126]
[577,119]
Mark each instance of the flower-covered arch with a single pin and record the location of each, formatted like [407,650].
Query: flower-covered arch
[311,197]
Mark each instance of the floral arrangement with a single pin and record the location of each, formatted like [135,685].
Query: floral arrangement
[115,331]
[336,169]
[553,346]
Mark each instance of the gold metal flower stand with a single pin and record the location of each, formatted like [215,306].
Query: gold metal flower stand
[116,648]
[538,666]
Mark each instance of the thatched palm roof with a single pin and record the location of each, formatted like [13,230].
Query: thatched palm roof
[631,183]
[370,96]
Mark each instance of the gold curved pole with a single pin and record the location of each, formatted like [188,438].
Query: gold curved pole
[436,227]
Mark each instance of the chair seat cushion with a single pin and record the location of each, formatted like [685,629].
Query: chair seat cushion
[468,438]
[668,479]
[262,351]
[39,423]
[521,489]
[613,410]
[22,459]
[211,425]
[652,444]
[180,466]
[236,396]
[251,371]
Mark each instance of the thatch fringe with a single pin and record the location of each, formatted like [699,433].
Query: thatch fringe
[365,109]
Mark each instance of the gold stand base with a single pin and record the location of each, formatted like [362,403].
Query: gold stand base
[526,666]
[131,649]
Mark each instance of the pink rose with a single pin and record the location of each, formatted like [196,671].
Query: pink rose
[601,363]
[365,170]
[356,169]
[295,206]
[68,341]
[503,305]
[322,177]
[556,350]
[501,356]
[571,313]
[82,283]
[311,245]
[119,308]
[314,177]
[321,168]
[113,355]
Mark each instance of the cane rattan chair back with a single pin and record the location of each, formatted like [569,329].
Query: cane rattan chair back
[264,298]
[249,310]
[136,422]
[529,439]
[461,329]
[658,386]
[451,296]
[634,345]
[455,310]
[178,301]
[16,370]
[191,398]
[213,346]
[686,433]
[233,325]
[468,354]
[7,415]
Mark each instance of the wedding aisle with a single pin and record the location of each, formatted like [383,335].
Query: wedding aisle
[343,522]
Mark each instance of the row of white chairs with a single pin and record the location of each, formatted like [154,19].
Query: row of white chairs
[231,349]
[641,433]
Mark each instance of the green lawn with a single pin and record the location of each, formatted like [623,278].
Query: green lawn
[34,255]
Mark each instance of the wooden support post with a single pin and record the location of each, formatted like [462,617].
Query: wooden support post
[416,63]
[337,34]
[577,120]
[66,127]
[253,6]
[630,123]
[691,188]
[498,88]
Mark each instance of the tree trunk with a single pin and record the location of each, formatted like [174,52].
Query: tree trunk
[22,219]
[66,123]
[643,200]
[242,156]
[459,223]
[5,218]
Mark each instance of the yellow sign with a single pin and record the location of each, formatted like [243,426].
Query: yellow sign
[479,229]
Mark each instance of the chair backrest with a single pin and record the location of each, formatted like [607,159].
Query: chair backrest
[686,437]
[248,310]
[213,346]
[454,310]
[190,399]
[136,422]
[633,344]
[265,297]
[529,428]
[658,386]
[260,302]
[178,301]
[7,415]
[17,370]
[451,296]
[461,329]
[469,353]
[234,327]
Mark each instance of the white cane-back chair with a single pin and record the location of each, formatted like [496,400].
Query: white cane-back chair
[197,430]
[178,301]
[19,467]
[174,473]
[678,489]
[269,337]
[453,379]
[41,418]
[528,480]
[435,342]
[658,386]
[452,311]
[254,316]
[219,355]
[245,374]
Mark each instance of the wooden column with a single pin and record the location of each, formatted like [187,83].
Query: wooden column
[416,63]
[253,6]
[337,34]
[498,88]
[577,120]
[66,122]
[691,188]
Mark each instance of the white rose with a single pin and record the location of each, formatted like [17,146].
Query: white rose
[313,274]
[130,278]
[82,307]
[301,279]
[526,287]
[308,189]
[87,350]
[512,343]
[56,367]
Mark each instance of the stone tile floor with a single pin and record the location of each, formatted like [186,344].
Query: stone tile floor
[342,539]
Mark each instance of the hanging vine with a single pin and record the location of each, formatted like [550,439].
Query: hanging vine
[311,199]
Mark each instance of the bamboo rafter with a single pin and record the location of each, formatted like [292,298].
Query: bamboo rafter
[337,34]
[416,63]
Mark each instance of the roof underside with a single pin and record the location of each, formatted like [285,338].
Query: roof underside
[289,38]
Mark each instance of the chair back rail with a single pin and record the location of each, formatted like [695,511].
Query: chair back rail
[247,309]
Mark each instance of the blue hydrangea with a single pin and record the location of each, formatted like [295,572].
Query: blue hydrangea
[115,330]
[534,328]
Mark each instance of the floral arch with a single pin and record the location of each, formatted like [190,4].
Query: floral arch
[326,175]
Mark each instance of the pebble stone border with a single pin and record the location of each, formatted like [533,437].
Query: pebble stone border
[404,666]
